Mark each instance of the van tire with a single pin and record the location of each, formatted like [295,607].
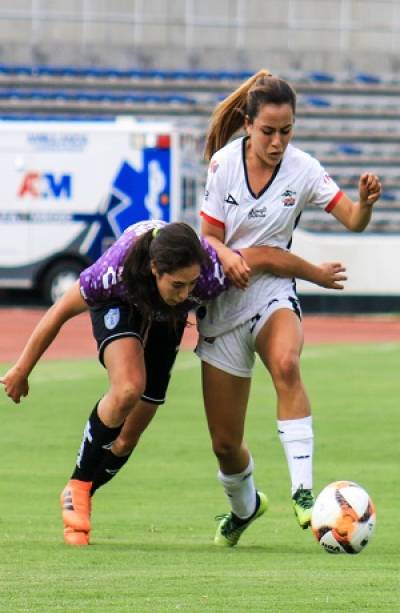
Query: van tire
[59,278]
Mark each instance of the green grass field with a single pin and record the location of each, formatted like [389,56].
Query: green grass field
[153,525]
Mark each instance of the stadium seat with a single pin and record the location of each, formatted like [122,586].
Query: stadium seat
[317,102]
[349,149]
[369,79]
[322,77]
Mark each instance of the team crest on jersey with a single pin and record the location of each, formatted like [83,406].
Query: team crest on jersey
[111,318]
[288,197]
[257,213]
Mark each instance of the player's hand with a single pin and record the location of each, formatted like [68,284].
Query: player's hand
[332,275]
[15,384]
[369,188]
[235,268]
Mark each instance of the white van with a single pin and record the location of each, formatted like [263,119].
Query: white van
[69,188]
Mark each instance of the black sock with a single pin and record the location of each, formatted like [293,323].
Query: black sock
[96,437]
[107,469]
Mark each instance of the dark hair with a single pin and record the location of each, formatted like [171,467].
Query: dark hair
[169,248]
[246,101]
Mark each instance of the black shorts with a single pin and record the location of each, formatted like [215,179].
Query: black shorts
[161,343]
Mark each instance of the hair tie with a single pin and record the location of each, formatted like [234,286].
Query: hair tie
[155,232]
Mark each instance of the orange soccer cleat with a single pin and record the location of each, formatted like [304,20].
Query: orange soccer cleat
[76,507]
[73,537]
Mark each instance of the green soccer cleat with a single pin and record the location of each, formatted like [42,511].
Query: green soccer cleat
[303,502]
[231,527]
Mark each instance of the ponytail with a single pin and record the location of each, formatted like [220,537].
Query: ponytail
[229,115]
[137,276]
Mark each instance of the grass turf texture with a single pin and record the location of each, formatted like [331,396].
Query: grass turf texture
[153,525]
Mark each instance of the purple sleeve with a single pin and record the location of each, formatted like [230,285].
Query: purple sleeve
[212,281]
[102,282]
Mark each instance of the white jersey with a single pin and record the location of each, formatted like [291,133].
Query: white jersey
[250,220]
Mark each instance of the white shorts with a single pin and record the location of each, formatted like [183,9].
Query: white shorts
[234,351]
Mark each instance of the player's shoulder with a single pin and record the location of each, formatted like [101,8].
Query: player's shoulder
[209,249]
[129,236]
[294,154]
[223,157]
[303,162]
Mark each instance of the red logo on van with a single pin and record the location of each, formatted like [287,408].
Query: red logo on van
[45,185]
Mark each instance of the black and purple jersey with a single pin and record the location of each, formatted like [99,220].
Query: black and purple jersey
[102,281]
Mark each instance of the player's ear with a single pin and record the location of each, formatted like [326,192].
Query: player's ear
[153,268]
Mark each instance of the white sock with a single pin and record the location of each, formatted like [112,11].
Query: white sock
[240,490]
[297,438]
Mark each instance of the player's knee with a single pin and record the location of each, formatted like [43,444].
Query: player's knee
[225,448]
[125,396]
[123,446]
[286,368]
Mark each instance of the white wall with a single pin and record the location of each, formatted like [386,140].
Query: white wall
[225,34]
[372,261]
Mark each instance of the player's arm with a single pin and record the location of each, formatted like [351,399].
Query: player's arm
[355,216]
[233,264]
[15,381]
[282,263]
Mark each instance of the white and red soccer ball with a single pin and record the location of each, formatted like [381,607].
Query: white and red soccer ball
[343,518]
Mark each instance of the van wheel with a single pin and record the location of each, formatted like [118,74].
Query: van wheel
[59,278]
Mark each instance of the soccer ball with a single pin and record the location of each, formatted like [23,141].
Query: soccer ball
[343,518]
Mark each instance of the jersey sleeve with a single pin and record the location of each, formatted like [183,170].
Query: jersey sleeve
[212,205]
[102,281]
[212,281]
[325,192]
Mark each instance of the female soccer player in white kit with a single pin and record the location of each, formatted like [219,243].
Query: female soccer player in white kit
[256,190]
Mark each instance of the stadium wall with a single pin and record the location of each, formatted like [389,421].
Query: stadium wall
[337,35]
[371,261]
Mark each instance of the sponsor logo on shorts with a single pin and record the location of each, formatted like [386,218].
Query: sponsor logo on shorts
[253,321]
[111,318]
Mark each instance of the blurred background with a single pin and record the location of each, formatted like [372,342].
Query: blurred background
[104,106]
[335,35]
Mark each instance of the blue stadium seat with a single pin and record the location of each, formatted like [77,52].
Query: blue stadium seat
[389,196]
[16,70]
[349,149]
[317,101]
[322,77]
[369,79]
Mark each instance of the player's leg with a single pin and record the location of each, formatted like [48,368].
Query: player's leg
[279,343]
[160,352]
[125,366]
[225,401]
[226,391]
[121,352]
[122,447]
